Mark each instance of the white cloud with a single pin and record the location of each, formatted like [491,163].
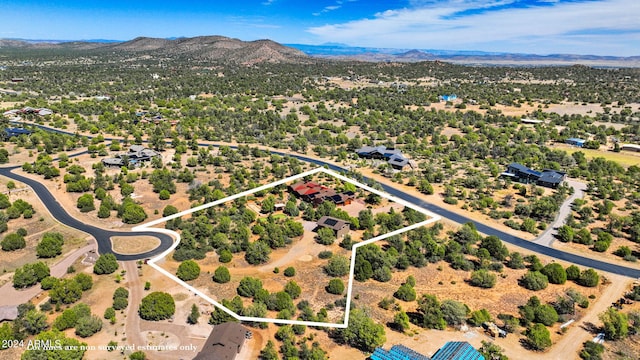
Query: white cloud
[541,29]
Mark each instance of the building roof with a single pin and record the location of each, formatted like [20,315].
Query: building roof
[576,140]
[8,313]
[552,176]
[457,350]
[332,223]
[365,150]
[397,352]
[398,160]
[631,146]
[531,121]
[523,169]
[224,342]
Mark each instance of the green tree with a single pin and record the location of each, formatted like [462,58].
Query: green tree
[188,270]
[483,278]
[109,313]
[33,322]
[290,271]
[362,332]
[454,312]
[546,315]
[221,275]
[401,321]
[479,316]
[106,264]
[72,349]
[85,281]
[573,272]
[157,306]
[538,337]
[50,245]
[589,278]
[194,315]
[257,253]
[88,325]
[325,236]
[65,291]
[615,323]
[405,292]
[293,289]
[269,352]
[337,266]
[534,280]
[336,286]
[429,307]
[491,351]
[249,286]
[555,273]
[13,242]
[85,203]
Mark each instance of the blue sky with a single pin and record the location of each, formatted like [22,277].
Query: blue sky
[599,27]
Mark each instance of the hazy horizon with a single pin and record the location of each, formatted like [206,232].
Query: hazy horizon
[542,27]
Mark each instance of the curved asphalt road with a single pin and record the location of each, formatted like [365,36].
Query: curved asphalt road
[104,245]
[102,236]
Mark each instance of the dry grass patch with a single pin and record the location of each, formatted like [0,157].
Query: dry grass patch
[129,245]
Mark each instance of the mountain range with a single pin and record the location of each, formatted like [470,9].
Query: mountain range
[220,48]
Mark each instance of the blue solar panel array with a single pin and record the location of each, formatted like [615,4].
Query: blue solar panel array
[457,350]
[397,352]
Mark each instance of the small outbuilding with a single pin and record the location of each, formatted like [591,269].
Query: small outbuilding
[575,142]
[339,226]
[630,147]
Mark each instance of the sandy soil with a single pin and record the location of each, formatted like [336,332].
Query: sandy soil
[137,245]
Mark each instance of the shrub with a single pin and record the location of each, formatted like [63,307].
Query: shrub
[225,256]
[106,264]
[538,337]
[555,273]
[290,271]
[482,278]
[88,325]
[109,313]
[221,275]
[336,286]
[534,280]
[249,286]
[188,270]
[479,316]
[13,242]
[405,293]
[337,266]
[157,306]
[573,272]
[293,289]
[589,278]
[50,245]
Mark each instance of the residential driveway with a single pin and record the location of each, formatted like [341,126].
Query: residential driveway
[548,236]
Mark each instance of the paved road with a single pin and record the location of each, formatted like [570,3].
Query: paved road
[483,228]
[102,236]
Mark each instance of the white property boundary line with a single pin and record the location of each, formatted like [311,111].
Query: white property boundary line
[149,227]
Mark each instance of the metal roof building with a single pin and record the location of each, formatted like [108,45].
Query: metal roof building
[397,352]
[457,350]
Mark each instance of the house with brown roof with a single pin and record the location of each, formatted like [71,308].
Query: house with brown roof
[339,226]
[316,194]
[224,342]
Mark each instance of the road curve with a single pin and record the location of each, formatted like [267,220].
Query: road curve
[483,228]
[102,236]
